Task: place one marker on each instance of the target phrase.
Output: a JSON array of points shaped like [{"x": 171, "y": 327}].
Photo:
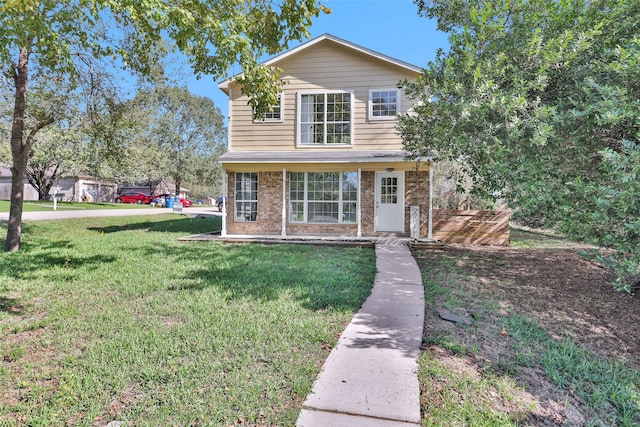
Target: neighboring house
[
  {"x": 327, "y": 159},
  {"x": 84, "y": 189},
  {"x": 30, "y": 193},
  {"x": 67, "y": 188}
]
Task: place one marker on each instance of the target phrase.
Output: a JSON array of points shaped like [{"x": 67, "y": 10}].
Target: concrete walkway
[{"x": 370, "y": 377}]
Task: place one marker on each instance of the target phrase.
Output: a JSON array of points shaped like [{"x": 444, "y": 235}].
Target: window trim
[
  {"x": 263, "y": 119},
  {"x": 236, "y": 218},
  {"x": 299, "y": 95},
  {"x": 370, "y": 104},
  {"x": 341, "y": 201}
]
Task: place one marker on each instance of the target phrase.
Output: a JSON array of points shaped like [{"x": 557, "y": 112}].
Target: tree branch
[{"x": 41, "y": 124}]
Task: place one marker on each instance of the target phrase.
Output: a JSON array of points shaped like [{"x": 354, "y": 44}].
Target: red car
[
  {"x": 132, "y": 197},
  {"x": 186, "y": 203}
]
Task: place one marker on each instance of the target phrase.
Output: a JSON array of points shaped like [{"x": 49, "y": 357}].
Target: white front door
[{"x": 389, "y": 215}]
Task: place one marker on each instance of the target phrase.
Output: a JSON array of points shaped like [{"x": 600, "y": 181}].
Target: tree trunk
[
  {"x": 178, "y": 182},
  {"x": 43, "y": 192},
  {"x": 14, "y": 227},
  {"x": 20, "y": 148},
  {"x": 37, "y": 177},
  {"x": 153, "y": 186},
  {"x": 18, "y": 153}
]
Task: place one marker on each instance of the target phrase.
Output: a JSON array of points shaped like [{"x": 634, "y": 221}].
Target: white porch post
[
  {"x": 223, "y": 232},
  {"x": 283, "y": 233},
  {"x": 359, "y": 212},
  {"x": 430, "y": 235}
]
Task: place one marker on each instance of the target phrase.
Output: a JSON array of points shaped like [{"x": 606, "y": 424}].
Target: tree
[
  {"x": 184, "y": 136},
  {"x": 539, "y": 100},
  {"x": 56, "y": 148},
  {"x": 451, "y": 188},
  {"x": 113, "y": 126},
  {"x": 56, "y": 152},
  {"x": 69, "y": 36}
]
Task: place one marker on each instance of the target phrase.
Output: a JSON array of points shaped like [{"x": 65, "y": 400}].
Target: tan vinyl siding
[{"x": 326, "y": 67}]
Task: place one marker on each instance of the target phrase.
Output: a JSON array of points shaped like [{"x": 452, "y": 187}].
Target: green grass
[
  {"x": 455, "y": 398},
  {"x": 601, "y": 384},
  {"x": 43, "y": 205},
  {"x": 113, "y": 319},
  {"x": 535, "y": 239},
  {"x": 462, "y": 386}
]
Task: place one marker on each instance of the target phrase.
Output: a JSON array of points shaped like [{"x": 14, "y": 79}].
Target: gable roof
[{"x": 328, "y": 38}]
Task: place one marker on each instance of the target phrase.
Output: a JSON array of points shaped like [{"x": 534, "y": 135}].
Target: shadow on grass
[
  {"x": 320, "y": 277},
  {"x": 183, "y": 224},
  {"x": 3, "y": 234},
  {"x": 32, "y": 263},
  {"x": 69, "y": 262},
  {"x": 10, "y": 305},
  {"x": 41, "y": 254}
]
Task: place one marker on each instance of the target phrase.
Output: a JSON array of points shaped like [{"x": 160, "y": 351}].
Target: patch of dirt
[{"x": 569, "y": 296}]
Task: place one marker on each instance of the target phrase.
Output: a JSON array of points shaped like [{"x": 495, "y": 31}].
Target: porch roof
[
  {"x": 324, "y": 156},
  {"x": 321, "y": 161}
]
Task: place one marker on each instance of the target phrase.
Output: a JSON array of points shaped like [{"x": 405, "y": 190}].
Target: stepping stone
[{"x": 454, "y": 317}]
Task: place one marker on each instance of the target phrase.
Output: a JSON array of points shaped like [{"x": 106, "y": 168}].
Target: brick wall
[
  {"x": 333, "y": 229},
  {"x": 269, "y": 220},
  {"x": 417, "y": 194},
  {"x": 368, "y": 202}
]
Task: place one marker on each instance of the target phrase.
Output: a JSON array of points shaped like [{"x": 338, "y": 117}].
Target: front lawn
[
  {"x": 107, "y": 319},
  {"x": 45, "y": 205},
  {"x": 550, "y": 343}
]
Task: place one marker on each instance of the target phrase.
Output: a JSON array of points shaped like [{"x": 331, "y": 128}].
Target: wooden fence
[{"x": 472, "y": 227}]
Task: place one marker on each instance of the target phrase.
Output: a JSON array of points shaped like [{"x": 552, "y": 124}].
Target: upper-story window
[
  {"x": 384, "y": 104},
  {"x": 275, "y": 113},
  {"x": 325, "y": 118}
]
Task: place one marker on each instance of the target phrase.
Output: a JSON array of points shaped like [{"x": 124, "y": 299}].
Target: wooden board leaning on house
[{"x": 471, "y": 227}]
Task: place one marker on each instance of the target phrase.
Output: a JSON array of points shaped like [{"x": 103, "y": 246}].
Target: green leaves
[
  {"x": 180, "y": 138},
  {"x": 537, "y": 98},
  {"x": 214, "y": 35},
  {"x": 616, "y": 217},
  {"x": 70, "y": 38}
]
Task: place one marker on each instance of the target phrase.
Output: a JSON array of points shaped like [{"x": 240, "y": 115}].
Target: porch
[
  {"x": 319, "y": 199},
  {"x": 392, "y": 239}
]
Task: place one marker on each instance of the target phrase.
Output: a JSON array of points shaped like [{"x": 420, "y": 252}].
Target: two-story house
[{"x": 327, "y": 160}]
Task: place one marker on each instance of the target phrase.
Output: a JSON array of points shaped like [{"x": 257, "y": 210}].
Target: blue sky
[{"x": 391, "y": 27}]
